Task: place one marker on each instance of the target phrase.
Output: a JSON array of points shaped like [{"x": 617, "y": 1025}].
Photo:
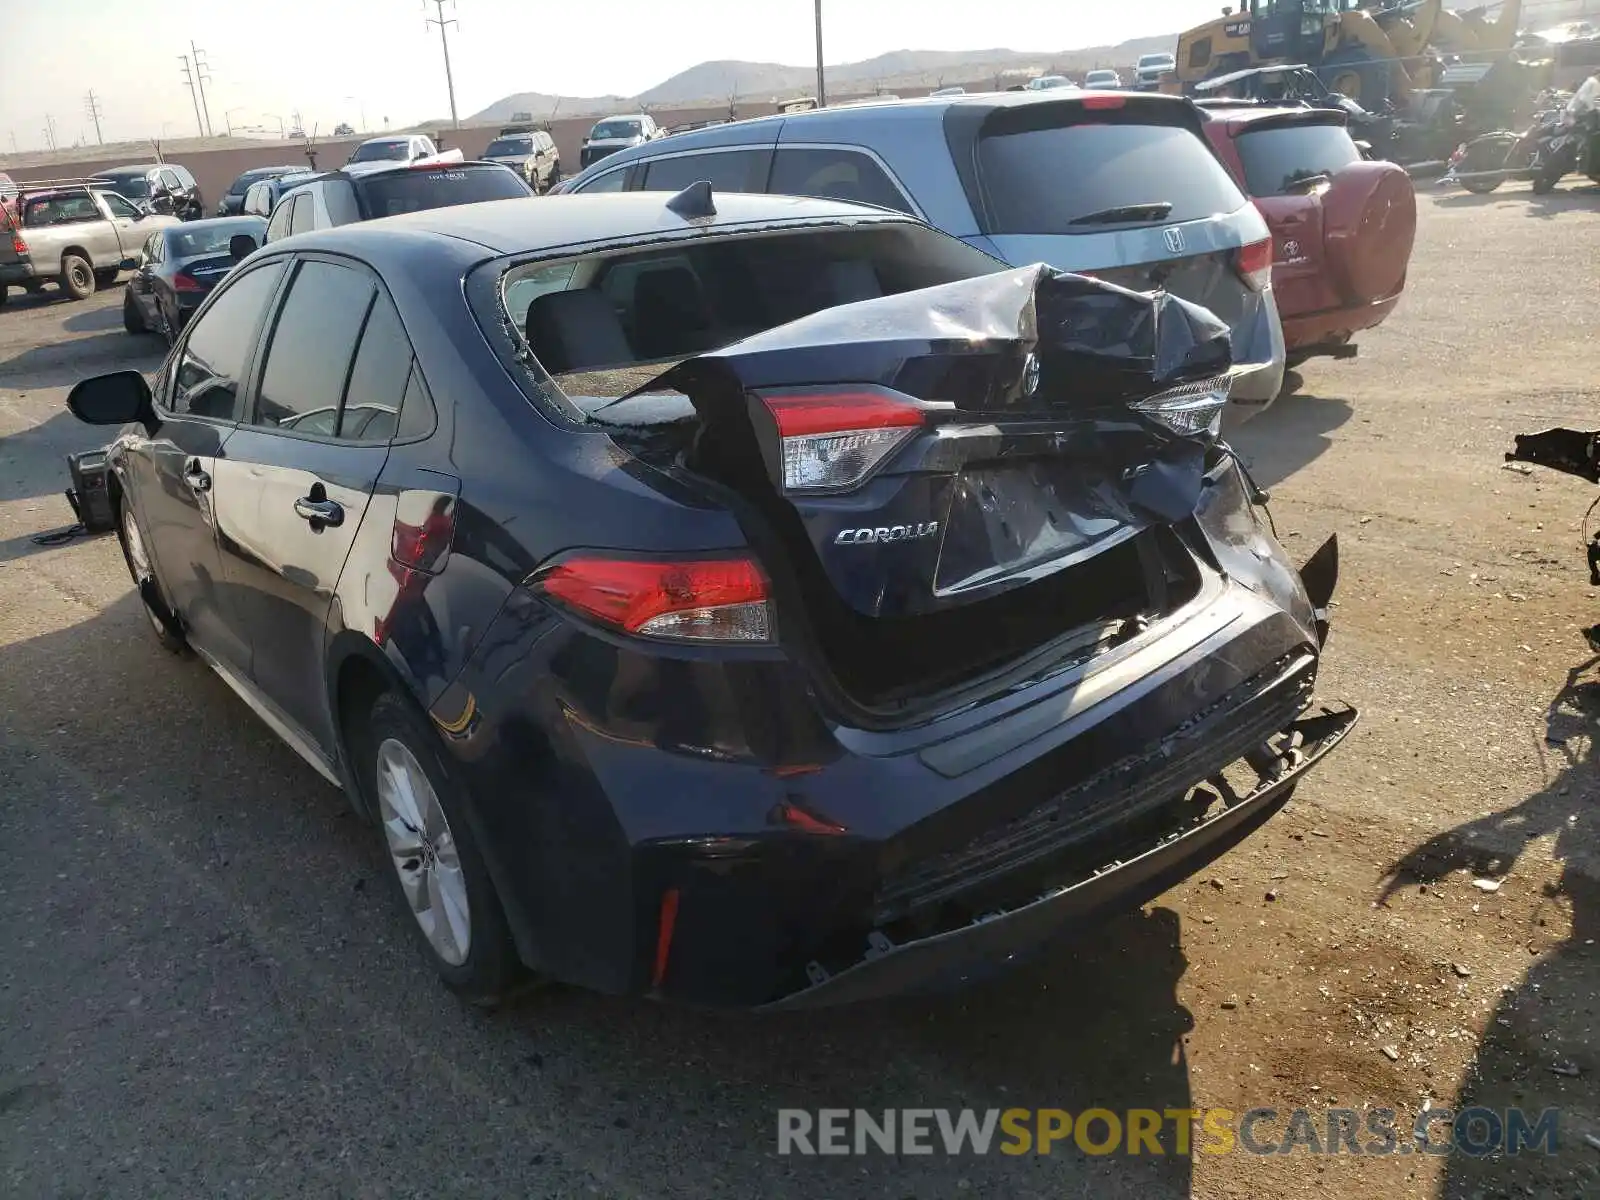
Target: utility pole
[
  {"x": 194, "y": 96},
  {"x": 50, "y": 130},
  {"x": 822, "y": 86},
  {"x": 95, "y": 113},
  {"x": 444, "y": 42},
  {"x": 202, "y": 76}
]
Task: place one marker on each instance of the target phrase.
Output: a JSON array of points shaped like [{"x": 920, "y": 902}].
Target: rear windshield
[
  {"x": 1044, "y": 181},
  {"x": 615, "y": 129},
  {"x": 382, "y": 152},
  {"x": 189, "y": 241},
  {"x": 510, "y": 145},
  {"x": 592, "y": 321},
  {"x": 134, "y": 187},
  {"x": 394, "y": 192},
  {"x": 1277, "y": 159},
  {"x": 59, "y": 210}
]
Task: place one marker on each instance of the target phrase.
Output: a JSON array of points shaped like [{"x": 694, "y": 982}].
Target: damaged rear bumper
[{"x": 996, "y": 939}]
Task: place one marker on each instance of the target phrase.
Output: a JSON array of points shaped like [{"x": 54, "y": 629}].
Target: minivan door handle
[
  {"x": 196, "y": 477},
  {"x": 319, "y": 511}
]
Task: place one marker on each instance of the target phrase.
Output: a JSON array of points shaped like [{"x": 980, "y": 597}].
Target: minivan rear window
[
  {"x": 393, "y": 192},
  {"x": 1276, "y": 159},
  {"x": 1040, "y": 181}
]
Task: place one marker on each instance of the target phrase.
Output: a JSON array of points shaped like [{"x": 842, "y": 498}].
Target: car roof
[
  {"x": 526, "y": 224},
  {"x": 1222, "y": 81},
  {"x": 130, "y": 169},
  {"x": 1244, "y": 112}
]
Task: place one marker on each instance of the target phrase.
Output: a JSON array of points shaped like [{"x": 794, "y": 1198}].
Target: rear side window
[
  {"x": 303, "y": 216},
  {"x": 213, "y": 358},
  {"x": 378, "y": 379},
  {"x": 727, "y": 171},
  {"x": 395, "y": 192},
  {"x": 1045, "y": 181},
  {"x": 309, "y": 357},
  {"x": 278, "y": 226},
  {"x": 611, "y": 181},
  {"x": 1275, "y": 160},
  {"x": 835, "y": 175}
]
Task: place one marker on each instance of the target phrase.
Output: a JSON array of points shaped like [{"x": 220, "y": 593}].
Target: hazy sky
[{"x": 276, "y": 56}]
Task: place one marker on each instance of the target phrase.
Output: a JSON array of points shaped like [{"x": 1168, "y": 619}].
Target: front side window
[
  {"x": 611, "y": 181},
  {"x": 312, "y": 344},
  {"x": 835, "y": 175},
  {"x": 304, "y": 215},
  {"x": 206, "y": 382},
  {"x": 118, "y": 206}
]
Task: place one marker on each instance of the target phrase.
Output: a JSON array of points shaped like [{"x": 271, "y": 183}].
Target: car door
[
  {"x": 294, "y": 492},
  {"x": 141, "y": 287},
  {"x": 130, "y": 233},
  {"x": 175, "y": 478}
]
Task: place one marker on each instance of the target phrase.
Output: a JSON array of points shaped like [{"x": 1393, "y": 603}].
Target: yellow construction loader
[{"x": 1374, "y": 51}]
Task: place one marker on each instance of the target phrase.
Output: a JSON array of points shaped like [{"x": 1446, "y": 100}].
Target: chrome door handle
[{"x": 319, "y": 512}]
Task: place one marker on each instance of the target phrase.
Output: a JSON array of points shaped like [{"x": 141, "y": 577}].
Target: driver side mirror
[
  {"x": 241, "y": 246},
  {"x": 116, "y": 399}
]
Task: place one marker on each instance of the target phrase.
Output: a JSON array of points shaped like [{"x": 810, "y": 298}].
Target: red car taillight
[
  {"x": 183, "y": 282},
  {"x": 698, "y": 600},
  {"x": 18, "y": 246},
  {"x": 1254, "y": 264},
  {"x": 834, "y": 439}
]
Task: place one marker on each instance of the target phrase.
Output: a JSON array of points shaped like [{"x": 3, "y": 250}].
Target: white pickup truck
[
  {"x": 381, "y": 153},
  {"x": 74, "y": 236}
]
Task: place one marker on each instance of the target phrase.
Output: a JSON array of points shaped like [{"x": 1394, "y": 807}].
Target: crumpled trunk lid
[{"x": 1019, "y": 457}]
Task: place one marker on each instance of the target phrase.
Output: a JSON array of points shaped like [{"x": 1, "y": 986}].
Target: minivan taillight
[
  {"x": 834, "y": 438},
  {"x": 687, "y": 600},
  {"x": 1254, "y": 264}
]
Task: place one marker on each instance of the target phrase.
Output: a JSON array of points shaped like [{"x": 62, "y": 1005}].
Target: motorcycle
[{"x": 1563, "y": 138}]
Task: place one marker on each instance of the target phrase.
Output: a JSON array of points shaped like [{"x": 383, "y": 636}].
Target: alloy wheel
[{"x": 423, "y": 851}]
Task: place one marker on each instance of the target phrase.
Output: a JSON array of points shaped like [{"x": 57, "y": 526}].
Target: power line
[
  {"x": 202, "y": 76},
  {"x": 194, "y": 95},
  {"x": 92, "y": 105},
  {"x": 444, "y": 41}
]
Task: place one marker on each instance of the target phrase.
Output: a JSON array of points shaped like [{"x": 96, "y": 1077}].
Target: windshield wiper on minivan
[{"x": 1126, "y": 214}]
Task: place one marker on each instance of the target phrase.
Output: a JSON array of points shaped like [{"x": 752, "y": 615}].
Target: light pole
[
  {"x": 444, "y": 41},
  {"x": 227, "y": 117},
  {"x": 362, "y": 105},
  {"x": 822, "y": 86}
]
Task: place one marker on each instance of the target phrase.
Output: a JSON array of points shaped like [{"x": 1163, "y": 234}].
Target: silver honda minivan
[{"x": 1120, "y": 185}]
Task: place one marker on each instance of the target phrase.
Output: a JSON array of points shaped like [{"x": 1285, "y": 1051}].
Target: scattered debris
[
  {"x": 1519, "y": 468},
  {"x": 1464, "y": 971},
  {"x": 1272, "y": 895},
  {"x": 1230, "y": 1004},
  {"x": 1486, "y": 885},
  {"x": 1569, "y": 1069},
  {"x": 1592, "y": 1140},
  {"x": 1391, "y": 1053}
]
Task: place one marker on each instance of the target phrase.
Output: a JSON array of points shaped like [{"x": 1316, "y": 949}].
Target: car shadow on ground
[
  {"x": 1291, "y": 434},
  {"x": 1541, "y": 1049},
  {"x": 1566, "y": 198},
  {"x": 62, "y": 364},
  {"x": 1094, "y": 1023},
  {"x": 95, "y": 320}
]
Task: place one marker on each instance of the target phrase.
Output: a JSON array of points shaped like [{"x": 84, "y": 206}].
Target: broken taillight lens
[
  {"x": 693, "y": 600},
  {"x": 832, "y": 440},
  {"x": 1254, "y": 264},
  {"x": 1190, "y": 409}
]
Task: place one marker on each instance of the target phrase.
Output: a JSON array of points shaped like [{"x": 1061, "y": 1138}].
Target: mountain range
[{"x": 725, "y": 80}]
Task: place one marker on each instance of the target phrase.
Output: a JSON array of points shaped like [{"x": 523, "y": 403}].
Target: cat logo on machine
[
  {"x": 886, "y": 533},
  {"x": 1236, "y": 29}
]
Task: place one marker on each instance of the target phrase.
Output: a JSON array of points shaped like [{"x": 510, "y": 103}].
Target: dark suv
[
  {"x": 1121, "y": 185},
  {"x": 163, "y": 187},
  {"x": 338, "y": 198}
]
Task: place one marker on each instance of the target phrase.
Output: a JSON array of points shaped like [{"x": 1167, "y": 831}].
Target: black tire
[
  {"x": 1545, "y": 181},
  {"x": 490, "y": 969},
  {"x": 105, "y": 277},
  {"x": 77, "y": 276},
  {"x": 1371, "y": 76},
  {"x": 132, "y": 318},
  {"x": 152, "y": 597},
  {"x": 1481, "y": 187}
]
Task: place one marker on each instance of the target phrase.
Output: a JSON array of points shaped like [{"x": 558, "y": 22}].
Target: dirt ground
[{"x": 204, "y": 989}]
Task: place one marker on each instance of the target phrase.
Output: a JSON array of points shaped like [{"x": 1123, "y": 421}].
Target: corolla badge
[
  {"x": 886, "y": 533},
  {"x": 1174, "y": 238}
]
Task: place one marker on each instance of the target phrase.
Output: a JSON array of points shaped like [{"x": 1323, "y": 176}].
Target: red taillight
[
  {"x": 1105, "y": 102},
  {"x": 715, "y": 599},
  {"x": 666, "y": 925},
  {"x": 833, "y": 439},
  {"x": 184, "y": 282},
  {"x": 18, "y": 246},
  {"x": 1254, "y": 264}
]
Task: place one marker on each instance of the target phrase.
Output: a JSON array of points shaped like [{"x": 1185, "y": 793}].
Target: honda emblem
[{"x": 1174, "y": 237}]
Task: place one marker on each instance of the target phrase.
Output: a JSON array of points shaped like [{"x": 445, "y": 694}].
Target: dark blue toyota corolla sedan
[{"x": 736, "y": 599}]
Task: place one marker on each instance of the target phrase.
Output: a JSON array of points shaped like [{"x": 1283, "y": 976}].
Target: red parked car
[{"x": 1342, "y": 226}]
